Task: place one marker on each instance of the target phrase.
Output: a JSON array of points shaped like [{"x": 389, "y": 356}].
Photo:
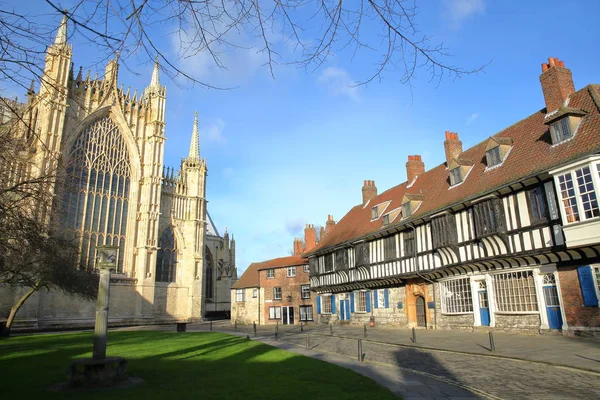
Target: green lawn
[{"x": 180, "y": 366}]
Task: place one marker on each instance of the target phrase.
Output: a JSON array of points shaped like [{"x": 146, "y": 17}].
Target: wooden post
[
  {"x": 414, "y": 335},
  {"x": 277, "y": 330},
  {"x": 307, "y": 341},
  {"x": 211, "y": 325},
  {"x": 365, "y": 330},
  {"x": 331, "y": 328},
  {"x": 492, "y": 344},
  {"x": 360, "y": 358},
  {"x": 301, "y": 327},
  {"x": 235, "y": 325},
  {"x": 254, "y": 323}
]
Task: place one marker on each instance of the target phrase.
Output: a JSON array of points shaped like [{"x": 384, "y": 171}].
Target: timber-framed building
[{"x": 505, "y": 234}]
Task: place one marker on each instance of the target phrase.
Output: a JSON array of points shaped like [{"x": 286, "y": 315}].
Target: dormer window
[
  {"x": 497, "y": 150},
  {"x": 374, "y": 213},
  {"x": 410, "y": 203},
  {"x": 386, "y": 219},
  {"x": 493, "y": 156},
  {"x": 406, "y": 211},
  {"x": 560, "y": 130},
  {"x": 459, "y": 169},
  {"x": 564, "y": 123},
  {"x": 456, "y": 176}
]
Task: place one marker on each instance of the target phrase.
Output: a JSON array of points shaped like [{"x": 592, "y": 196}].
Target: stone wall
[
  {"x": 54, "y": 309},
  {"x": 524, "y": 323},
  {"x": 245, "y": 312}
]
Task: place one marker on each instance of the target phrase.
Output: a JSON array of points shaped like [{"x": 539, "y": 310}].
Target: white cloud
[
  {"x": 458, "y": 11},
  {"x": 470, "y": 119},
  {"x": 339, "y": 83},
  {"x": 213, "y": 132}
]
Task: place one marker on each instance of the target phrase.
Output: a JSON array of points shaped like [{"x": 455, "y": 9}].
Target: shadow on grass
[{"x": 189, "y": 365}]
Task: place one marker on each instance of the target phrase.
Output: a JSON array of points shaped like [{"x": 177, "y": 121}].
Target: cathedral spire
[
  {"x": 155, "y": 82},
  {"x": 61, "y": 34},
  {"x": 195, "y": 143}
]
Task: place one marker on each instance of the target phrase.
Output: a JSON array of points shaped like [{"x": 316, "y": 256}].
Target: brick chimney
[
  {"x": 298, "y": 246},
  {"x": 453, "y": 146},
  {"x": 557, "y": 83},
  {"x": 369, "y": 190},
  {"x": 414, "y": 168},
  {"x": 329, "y": 224},
  {"x": 310, "y": 237}
]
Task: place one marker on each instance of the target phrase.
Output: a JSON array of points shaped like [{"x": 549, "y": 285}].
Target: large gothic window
[
  {"x": 166, "y": 258},
  {"x": 97, "y": 191},
  {"x": 208, "y": 275}
]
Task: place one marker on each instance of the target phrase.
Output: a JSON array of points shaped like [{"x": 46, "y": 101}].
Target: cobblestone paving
[{"x": 503, "y": 378}]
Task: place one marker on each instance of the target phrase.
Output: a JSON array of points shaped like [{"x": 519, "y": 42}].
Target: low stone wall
[{"x": 527, "y": 323}]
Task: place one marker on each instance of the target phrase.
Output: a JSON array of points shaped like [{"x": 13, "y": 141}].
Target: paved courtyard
[{"x": 448, "y": 364}]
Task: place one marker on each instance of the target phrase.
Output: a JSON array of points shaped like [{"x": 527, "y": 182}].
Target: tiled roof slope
[
  {"x": 531, "y": 154},
  {"x": 250, "y": 277}
]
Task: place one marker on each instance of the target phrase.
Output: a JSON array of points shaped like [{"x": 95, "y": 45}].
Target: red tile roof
[
  {"x": 250, "y": 276},
  {"x": 532, "y": 153}
]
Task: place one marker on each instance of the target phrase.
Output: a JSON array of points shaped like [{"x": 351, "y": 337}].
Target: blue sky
[{"x": 288, "y": 151}]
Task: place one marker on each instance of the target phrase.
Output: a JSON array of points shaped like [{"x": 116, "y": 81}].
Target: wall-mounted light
[{"x": 289, "y": 298}]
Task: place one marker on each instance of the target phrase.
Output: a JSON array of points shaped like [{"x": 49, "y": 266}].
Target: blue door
[
  {"x": 484, "y": 308},
  {"x": 552, "y": 307}
]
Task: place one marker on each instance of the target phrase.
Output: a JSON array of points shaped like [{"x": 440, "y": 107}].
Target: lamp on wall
[{"x": 289, "y": 298}]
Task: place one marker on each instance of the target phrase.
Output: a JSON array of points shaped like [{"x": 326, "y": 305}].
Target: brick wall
[
  {"x": 290, "y": 286},
  {"x": 584, "y": 321}
]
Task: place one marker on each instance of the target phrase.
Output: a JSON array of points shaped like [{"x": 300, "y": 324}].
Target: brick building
[
  {"x": 505, "y": 234},
  {"x": 278, "y": 290}
]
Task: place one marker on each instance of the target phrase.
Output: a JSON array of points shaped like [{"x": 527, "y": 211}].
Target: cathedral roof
[{"x": 211, "y": 229}]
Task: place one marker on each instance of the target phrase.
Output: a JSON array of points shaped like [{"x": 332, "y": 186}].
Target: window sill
[
  {"x": 517, "y": 312},
  {"x": 458, "y": 313}
]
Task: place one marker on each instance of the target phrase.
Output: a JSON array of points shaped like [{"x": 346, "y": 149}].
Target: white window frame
[
  {"x": 557, "y": 130},
  {"x": 596, "y": 276},
  {"x": 509, "y": 297},
  {"x": 254, "y": 293},
  {"x": 380, "y": 298},
  {"x": 240, "y": 295},
  {"x": 276, "y": 292},
  {"x": 275, "y": 313},
  {"x": 306, "y": 268},
  {"x": 291, "y": 272},
  {"x": 457, "y": 296},
  {"x": 302, "y": 290},
  {"x": 270, "y": 273},
  {"x": 305, "y": 308},
  {"x": 360, "y": 298},
  {"x": 593, "y": 163},
  {"x": 326, "y": 304}
]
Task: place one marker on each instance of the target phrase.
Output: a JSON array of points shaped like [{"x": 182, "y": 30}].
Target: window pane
[{"x": 567, "y": 193}]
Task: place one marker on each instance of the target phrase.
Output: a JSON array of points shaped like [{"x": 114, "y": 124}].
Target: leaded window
[
  {"x": 96, "y": 191},
  {"x": 341, "y": 259},
  {"x": 208, "y": 274},
  {"x": 537, "y": 204},
  {"x": 560, "y": 130},
  {"x": 326, "y": 303},
  {"x": 493, "y": 156},
  {"x": 456, "y": 296},
  {"x": 389, "y": 248},
  {"x": 328, "y": 262},
  {"x": 515, "y": 292},
  {"x": 443, "y": 231},
  {"x": 361, "y": 301},
  {"x": 456, "y": 176},
  {"x": 166, "y": 257},
  {"x": 313, "y": 266},
  {"x": 409, "y": 243},
  {"x": 489, "y": 217},
  {"x": 240, "y": 295},
  {"x": 362, "y": 254}
]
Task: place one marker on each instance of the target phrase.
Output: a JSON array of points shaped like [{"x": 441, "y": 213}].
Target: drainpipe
[{"x": 416, "y": 262}]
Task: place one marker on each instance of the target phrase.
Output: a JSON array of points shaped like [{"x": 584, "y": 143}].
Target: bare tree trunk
[{"x": 17, "y": 306}]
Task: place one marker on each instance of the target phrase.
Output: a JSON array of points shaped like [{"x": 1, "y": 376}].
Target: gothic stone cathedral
[{"x": 172, "y": 264}]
